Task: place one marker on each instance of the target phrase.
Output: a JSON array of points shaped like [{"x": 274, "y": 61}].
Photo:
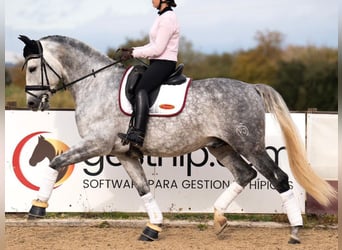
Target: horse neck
[
  {"x": 51, "y": 153},
  {"x": 77, "y": 64},
  {"x": 83, "y": 65},
  {"x": 78, "y": 60}
]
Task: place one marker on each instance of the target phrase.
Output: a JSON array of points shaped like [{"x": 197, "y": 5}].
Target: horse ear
[
  {"x": 41, "y": 137},
  {"x": 25, "y": 39},
  {"x": 31, "y": 46}
]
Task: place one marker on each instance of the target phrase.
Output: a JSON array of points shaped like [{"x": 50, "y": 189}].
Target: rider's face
[{"x": 156, "y": 3}]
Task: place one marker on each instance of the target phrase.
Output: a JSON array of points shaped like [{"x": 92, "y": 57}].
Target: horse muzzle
[{"x": 36, "y": 103}]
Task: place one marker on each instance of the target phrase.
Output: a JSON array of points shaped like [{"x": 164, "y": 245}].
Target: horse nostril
[{"x": 30, "y": 104}]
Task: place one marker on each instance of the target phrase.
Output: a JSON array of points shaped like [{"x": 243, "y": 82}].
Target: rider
[{"x": 162, "y": 52}]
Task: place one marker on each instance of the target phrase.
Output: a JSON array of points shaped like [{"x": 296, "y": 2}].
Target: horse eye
[{"x": 32, "y": 69}]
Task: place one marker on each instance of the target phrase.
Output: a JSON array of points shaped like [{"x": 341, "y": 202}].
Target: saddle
[
  {"x": 167, "y": 100},
  {"x": 134, "y": 76}
]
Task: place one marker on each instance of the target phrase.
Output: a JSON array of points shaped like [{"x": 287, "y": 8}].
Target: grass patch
[
  {"x": 202, "y": 227},
  {"x": 16, "y": 97},
  {"x": 103, "y": 224},
  {"x": 102, "y": 216},
  {"x": 197, "y": 217},
  {"x": 310, "y": 220}
]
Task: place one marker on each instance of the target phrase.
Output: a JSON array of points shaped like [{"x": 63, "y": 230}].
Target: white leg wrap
[
  {"x": 292, "y": 209},
  {"x": 152, "y": 209},
  {"x": 227, "y": 197},
  {"x": 48, "y": 180}
]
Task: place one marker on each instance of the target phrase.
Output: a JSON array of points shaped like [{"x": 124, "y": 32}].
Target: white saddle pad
[{"x": 170, "y": 101}]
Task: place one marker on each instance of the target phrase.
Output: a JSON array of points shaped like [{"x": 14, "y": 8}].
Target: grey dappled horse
[{"x": 226, "y": 116}]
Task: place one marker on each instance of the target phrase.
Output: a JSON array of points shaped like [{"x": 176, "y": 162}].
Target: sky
[{"x": 212, "y": 26}]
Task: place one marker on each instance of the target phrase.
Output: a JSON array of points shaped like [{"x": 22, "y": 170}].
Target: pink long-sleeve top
[{"x": 164, "y": 39}]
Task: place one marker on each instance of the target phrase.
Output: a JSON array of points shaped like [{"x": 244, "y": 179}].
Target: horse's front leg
[
  {"x": 135, "y": 171},
  {"x": 84, "y": 150}
]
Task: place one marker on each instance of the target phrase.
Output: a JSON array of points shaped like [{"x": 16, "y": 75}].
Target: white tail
[{"x": 304, "y": 174}]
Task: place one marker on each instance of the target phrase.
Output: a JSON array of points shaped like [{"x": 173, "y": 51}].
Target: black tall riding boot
[{"x": 136, "y": 134}]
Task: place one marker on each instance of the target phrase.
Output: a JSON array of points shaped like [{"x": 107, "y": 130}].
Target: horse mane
[{"x": 75, "y": 44}]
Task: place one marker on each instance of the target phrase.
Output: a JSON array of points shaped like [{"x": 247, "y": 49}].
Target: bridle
[
  {"x": 44, "y": 76},
  {"x": 43, "y": 73}
]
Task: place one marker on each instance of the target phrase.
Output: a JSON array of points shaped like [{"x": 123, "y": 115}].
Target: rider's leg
[
  {"x": 136, "y": 134},
  {"x": 153, "y": 77}
]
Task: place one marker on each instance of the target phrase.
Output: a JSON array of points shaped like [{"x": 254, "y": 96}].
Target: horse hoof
[
  {"x": 220, "y": 223},
  {"x": 144, "y": 238},
  {"x": 150, "y": 233},
  {"x": 294, "y": 240},
  {"x": 36, "y": 212},
  {"x": 38, "y": 209},
  {"x": 220, "y": 228}
]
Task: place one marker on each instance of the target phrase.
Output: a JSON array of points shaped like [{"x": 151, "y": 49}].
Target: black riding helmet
[{"x": 171, "y": 3}]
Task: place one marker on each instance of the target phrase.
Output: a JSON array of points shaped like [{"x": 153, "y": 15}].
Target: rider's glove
[{"x": 124, "y": 54}]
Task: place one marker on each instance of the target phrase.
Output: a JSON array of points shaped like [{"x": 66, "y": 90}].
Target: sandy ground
[{"x": 21, "y": 236}]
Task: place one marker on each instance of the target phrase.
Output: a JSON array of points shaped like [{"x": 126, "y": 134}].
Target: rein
[
  {"x": 93, "y": 73},
  {"x": 44, "y": 64}
]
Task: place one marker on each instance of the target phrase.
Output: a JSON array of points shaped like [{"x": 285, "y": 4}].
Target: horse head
[
  {"x": 42, "y": 150},
  {"x": 43, "y": 73}
]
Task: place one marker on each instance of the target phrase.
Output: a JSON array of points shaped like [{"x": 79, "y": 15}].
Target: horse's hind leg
[
  {"x": 243, "y": 174},
  {"x": 279, "y": 179}
]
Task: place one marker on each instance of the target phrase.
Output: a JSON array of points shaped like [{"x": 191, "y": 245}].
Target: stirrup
[
  {"x": 136, "y": 140},
  {"x": 123, "y": 138},
  {"x": 134, "y": 136}
]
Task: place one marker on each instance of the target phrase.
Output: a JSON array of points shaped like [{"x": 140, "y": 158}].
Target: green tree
[
  {"x": 128, "y": 44},
  {"x": 259, "y": 65},
  {"x": 288, "y": 84},
  {"x": 307, "y": 78},
  {"x": 269, "y": 44},
  {"x": 8, "y": 78},
  {"x": 193, "y": 61}
]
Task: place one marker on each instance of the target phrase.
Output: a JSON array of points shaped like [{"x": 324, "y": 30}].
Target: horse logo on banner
[{"x": 46, "y": 148}]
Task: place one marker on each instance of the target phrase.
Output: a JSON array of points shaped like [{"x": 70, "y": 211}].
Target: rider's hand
[{"x": 124, "y": 54}]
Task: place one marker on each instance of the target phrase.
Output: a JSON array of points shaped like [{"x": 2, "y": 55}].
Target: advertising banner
[
  {"x": 322, "y": 144},
  {"x": 187, "y": 183}
]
